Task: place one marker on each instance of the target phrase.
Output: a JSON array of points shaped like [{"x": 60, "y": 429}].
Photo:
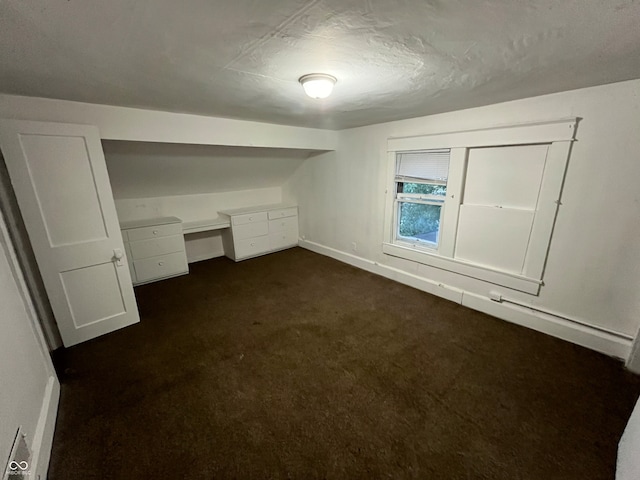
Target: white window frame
[
  {"x": 558, "y": 134},
  {"x": 418, "y": 198}
]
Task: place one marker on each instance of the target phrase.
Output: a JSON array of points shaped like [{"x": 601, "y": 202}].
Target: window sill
[{"x": 497, "y": 277}]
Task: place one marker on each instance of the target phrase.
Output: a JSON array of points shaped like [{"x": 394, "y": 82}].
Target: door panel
[
  {"x": 85, "y": 221},
  {"x": 93, "y": 293},
  {"x": 60, "y": 179}
]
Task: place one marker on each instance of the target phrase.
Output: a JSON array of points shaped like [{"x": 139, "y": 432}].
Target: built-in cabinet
[
  {"x": 259, "y": 230},
  {"x": 155, "y": 249}
]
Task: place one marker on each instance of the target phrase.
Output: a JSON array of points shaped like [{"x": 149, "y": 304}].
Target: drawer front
[
  {"x": 283, "y": 212},
  {"x": 249, "y": 218},
  {"x": 281, "y": 224},
  {"x": 144, "y": 233},
  {"x": 250, "y": 230},
  {"x": 156, "y": 246},
  {"x": 287, "y": 238},
  {"x": 252, "y": 246},
  {"x": 160, "y": 267}
]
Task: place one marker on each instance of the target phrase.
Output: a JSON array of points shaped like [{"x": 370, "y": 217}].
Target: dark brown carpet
[{"x": 296, "y": 366}]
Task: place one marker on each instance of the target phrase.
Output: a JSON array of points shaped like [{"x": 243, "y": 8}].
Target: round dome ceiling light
[{"x": 317, "y": 85}]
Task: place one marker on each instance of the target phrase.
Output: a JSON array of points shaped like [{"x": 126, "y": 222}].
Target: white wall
[
  {"x": 29, "y": 390},
  {"x": 143, "y": 169},
  {"x": 20, "y": 239},
  {"x": 592, "y": 273}
]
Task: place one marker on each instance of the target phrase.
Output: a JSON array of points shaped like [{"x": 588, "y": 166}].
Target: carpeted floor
[{"x": 293, "y": 365}]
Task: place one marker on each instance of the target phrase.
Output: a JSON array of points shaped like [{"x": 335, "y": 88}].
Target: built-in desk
[
  {"x": 156, "y": 248},
  {"x": 217, "y": 223}
]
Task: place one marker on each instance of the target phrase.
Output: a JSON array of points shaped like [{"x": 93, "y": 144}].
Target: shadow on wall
[
  {"x": 27, "y": 259},
  {"x": 145, "y": 169}
]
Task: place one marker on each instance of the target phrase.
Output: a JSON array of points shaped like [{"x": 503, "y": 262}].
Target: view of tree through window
[
  {"x": 420, "y": 220},
  {"x": 422, "y": 188}
]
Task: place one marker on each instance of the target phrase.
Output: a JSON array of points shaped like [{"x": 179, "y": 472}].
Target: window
[
  {"x": 479, "y": 203},
  {"x": 421, "y": 187}
]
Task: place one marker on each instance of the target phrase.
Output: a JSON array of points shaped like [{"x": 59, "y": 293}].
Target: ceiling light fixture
[{"x": 317, "y": 85}]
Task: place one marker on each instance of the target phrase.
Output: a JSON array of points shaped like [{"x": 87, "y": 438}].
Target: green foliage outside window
[
  {"x": 418, "y": 220},
  {"x": 423, "y": 188}
]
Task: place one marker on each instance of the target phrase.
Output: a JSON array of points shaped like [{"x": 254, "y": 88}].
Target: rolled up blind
[{"x": 423, "y": 165}]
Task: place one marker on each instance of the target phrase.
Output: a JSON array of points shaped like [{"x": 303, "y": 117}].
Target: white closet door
[{"x": 60, "y": 179}]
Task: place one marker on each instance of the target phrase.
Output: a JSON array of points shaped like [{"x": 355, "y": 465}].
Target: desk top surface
[
  {"x": 148, "y": 222},
  {"x": 257, "y": 208}
]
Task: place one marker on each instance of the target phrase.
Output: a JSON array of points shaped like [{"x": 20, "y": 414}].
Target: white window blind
[{"x": 423, "y": 165}]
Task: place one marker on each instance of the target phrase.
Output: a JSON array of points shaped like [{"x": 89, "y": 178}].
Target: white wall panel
[
  {"x": 505, "y": 176},
  {"x": 493, "y": 237}
]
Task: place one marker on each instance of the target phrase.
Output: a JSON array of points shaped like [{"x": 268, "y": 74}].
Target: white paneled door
[{"x": 60, "y": 179}]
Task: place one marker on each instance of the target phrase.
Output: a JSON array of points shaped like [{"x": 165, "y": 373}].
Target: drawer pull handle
[
  {"x": 155, "y": 232},
  {"x": 250, "y": 219},
  {"x": 161, "y": 264},
  {"x": 253, "y": 244}
]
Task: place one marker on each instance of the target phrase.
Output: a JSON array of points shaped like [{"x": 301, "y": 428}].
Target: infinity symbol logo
[{"x": 18, "y": 465}]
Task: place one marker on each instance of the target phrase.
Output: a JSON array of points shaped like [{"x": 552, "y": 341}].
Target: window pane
[
  {"x": 422, "y": 188},
  {"x": 419, "y": 221}
]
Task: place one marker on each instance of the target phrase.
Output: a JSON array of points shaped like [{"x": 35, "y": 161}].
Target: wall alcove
[{"x": 193, "y": 182}]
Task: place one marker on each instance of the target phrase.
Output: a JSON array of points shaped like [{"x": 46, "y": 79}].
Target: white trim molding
[
  {"x": 555, "y": 325},
  {"x": 511, "y": 280},
  {"x": 43, "y": 438},
  {"x": 633, "y": 362},
  {"x": 562, "y": 130},
  {"x": 440, "y": 289}
]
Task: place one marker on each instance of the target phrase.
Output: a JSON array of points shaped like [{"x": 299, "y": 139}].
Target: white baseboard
[
  {"x": 633, "y": 361},
  {"x": 559, "y": 327},
  {"x": 415, "y": 281},
  {"x": 43, "y": 436}
]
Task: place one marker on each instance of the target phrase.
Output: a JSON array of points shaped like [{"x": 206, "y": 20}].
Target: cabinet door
[{"x": 60, "y": 179}]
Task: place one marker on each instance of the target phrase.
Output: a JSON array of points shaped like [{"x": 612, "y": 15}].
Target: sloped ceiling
[
  {"x": 140, "y": 169},
  {"x": 242, "y": 58}
]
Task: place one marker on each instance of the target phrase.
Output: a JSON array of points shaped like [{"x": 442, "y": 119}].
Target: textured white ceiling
[{"x": 242, "y": 58}]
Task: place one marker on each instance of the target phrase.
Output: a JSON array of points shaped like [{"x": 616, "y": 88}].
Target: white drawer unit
[
  {"x": 249, "y": 218},
  {"x": 259, "y": 230},
  {"x": 251, "y": 247},
  {"x": 155, "y": 249},
  {"x": 250, "y": 230},
  {"x": 155, "y": 231},
  {"x": 163, "y": 266},
  {"x": 282, "y": 224}
]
